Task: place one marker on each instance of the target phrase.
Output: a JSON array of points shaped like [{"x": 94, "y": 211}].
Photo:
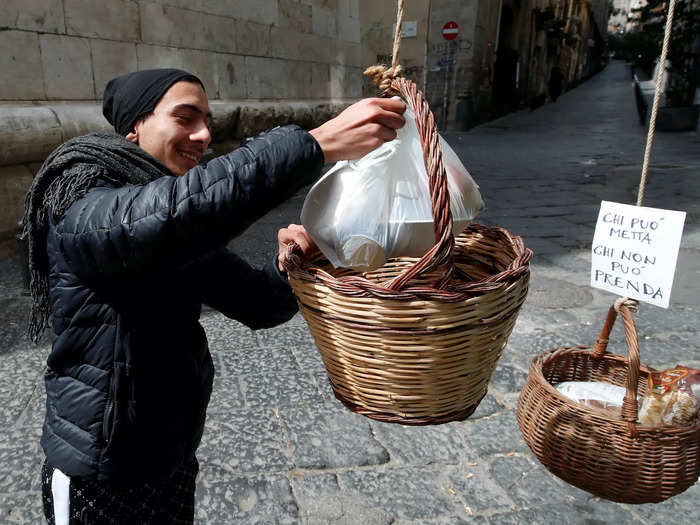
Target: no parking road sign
[{"x": 450, "y": 31}]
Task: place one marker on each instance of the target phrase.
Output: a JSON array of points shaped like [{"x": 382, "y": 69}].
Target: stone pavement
[{"x": 279, "y": 448}]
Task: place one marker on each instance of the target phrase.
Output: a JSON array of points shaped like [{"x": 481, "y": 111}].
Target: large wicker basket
[
  {"x": 608, "y": 455},
  {"x": 417, "y": 340}
]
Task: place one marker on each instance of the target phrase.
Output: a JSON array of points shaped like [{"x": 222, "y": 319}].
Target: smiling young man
[
  {"x": 127, "y": 236},
  {"x": 177, "y": 131}
]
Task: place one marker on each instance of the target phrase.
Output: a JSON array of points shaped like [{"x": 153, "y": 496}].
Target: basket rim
[
  {"x": 356, "y": 285},
  {"x": 537, "y": 375}
]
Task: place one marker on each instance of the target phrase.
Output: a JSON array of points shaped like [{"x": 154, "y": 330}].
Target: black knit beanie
[{"x": 130, "y": 97}]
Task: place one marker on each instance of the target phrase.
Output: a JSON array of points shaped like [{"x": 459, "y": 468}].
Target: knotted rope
[
  {"x": 382, "y": 75},
  {"x": 630, "y": 304}
]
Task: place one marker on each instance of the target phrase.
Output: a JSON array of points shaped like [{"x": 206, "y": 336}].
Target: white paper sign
[
  {"x": 635, "y": 250},
  {"x": 408, "y": 29}
]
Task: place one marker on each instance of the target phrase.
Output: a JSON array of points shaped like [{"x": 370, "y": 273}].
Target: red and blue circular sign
[{"x": 450, "y": 31}]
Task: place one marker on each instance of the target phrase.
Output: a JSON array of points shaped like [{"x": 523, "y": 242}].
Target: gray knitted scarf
[{"x": 65, "y": 177}]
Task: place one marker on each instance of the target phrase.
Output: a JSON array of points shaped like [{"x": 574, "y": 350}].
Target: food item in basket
[
  {"x": 674, "y": 397},
  {"x": 596, "y": 394}
]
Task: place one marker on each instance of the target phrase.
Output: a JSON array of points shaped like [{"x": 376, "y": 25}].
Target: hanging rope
[
  {"x": 655, "y": 107},
  {"x": 397, "y": 36}
]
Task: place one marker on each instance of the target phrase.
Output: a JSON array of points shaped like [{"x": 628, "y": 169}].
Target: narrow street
[{"x": 279, "y": 448}]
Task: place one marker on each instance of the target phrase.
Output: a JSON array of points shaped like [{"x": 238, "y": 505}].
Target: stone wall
[
  {"x": 451, "y": 62},
  {"x": 261, "y": 49},
  {"x": 445, "y": 70},
  {"x": 263, "y": 63},
  {"x": 377, "y": 26}
]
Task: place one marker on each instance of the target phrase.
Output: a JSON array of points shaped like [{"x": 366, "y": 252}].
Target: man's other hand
[
  {"x": 359, "y": 129},
  {"x": 293, "y": 233}
]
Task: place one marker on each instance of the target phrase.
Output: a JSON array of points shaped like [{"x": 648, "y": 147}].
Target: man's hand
[
  {"x": 359, "y": 129},
  {"x": 297, "y": 234}
]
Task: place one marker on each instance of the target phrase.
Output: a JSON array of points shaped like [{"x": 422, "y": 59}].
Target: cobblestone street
[{"x": 279, "y": 448}]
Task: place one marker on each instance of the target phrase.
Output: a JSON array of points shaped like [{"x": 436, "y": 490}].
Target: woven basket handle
[
  {"x": 442, "y": 254},
  {"x": 629, "y": 405}
]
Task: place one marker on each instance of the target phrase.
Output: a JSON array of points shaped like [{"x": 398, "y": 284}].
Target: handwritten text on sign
[{"x": 635, "y": 251}]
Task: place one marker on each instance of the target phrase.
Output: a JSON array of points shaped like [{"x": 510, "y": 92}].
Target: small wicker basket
[
  {"x": 417, "y": 340},
  {"x": 610, "y": 456}
]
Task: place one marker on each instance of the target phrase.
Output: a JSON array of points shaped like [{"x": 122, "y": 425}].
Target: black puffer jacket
[{"x": 130, "y": 374}]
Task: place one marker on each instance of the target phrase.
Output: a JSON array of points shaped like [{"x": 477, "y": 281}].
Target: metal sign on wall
[{"x": 450, "y": 30}]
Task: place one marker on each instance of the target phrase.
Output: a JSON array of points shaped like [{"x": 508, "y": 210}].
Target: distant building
[{"x": 623, "y": 18}]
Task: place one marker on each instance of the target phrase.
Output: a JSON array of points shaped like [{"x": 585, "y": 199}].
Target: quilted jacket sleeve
[
  {"x": 176, "y": 219},
  {"x": 257, "y": 298}
]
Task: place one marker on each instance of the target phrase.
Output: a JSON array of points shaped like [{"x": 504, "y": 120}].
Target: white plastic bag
[
  {"x": 593, "y": 393},
  {"x": 363, "y": 212}
]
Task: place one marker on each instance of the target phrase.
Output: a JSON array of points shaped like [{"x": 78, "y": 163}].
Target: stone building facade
[
  {"x": 501, "y": 58},
  {"x": 270, "y": 62},
  {"x": 537, "y": 37}
]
